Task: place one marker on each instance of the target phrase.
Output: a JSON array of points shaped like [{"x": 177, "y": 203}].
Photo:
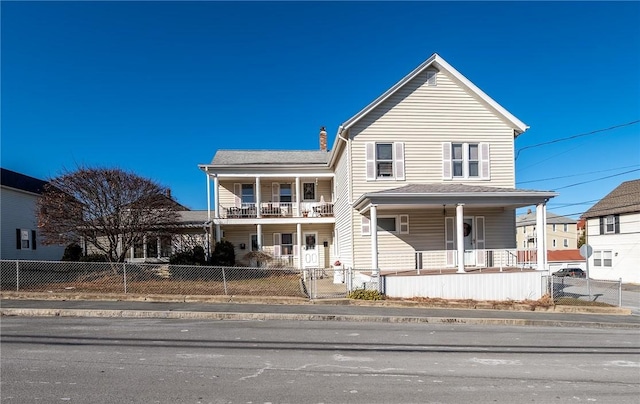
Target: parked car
[{"x": 572, "y": 272}]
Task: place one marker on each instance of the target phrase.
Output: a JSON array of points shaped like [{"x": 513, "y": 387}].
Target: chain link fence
[
  {"x": 564, "y": 288},
  {"x": 101, "y": 277}
]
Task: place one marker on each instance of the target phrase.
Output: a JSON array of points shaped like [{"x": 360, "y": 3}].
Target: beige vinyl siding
[
  {"x": 226, "y": 196},
  {"x": 423, "y": 117},
  {"x": 342, "y": 211},
  {"x": 237, "y": 234},
  {"x": 427, "y": 229}
]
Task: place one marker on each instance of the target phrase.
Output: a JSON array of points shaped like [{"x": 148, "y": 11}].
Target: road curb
[
  {"x": 239, "y": 299},
  {"x": 195, "y": 315}
]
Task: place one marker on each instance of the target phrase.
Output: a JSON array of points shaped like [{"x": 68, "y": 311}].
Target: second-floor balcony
[{"x": 277, "y": 210}]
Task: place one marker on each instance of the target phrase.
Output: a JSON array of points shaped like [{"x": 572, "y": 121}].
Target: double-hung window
[
  {"x": 609, "y": 222},
  {"x": 285, "y": 193},
  {"x": 465, "y": 160},
  {"x": 248, "y": 196},
  {"x": 384, "y": 161}
]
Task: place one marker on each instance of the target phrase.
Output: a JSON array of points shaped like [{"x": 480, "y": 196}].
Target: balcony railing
[{"x": 278, "y": 209}]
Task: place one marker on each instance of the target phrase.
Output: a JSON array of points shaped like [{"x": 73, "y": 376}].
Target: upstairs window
[
  {"x": 248, "y": 196},
  {"x": 25, "y": 239},
  {"x": 384, "y": 161},
  {"x": 285, "y": 193},
  {"x": 610, "y": 224},
  {"x": 465, "y": 160}
]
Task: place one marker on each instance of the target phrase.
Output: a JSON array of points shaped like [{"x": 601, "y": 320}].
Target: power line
[
  {"x": 597, "y": 179},
  {"x": 577, "y": 136},
  {"x": 575, "y": 175}
]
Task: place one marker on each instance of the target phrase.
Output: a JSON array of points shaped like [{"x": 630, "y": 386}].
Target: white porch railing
[{"x": 439, "y": 260}]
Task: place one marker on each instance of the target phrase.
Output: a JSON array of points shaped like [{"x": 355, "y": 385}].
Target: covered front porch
[{"x": 443, "y": 226}]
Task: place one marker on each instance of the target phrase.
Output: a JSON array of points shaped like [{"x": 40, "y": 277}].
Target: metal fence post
[
  {"x": 620, "y": 292},
  {"x": 124, "y": 276},
  {"x": 224, "y": 281},
  {"x": 17, "y": 275}
]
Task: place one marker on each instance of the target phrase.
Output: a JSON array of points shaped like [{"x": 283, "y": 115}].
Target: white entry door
[
  {"x": 469, "y": 242},
  {"x": 309, "y": 250}
]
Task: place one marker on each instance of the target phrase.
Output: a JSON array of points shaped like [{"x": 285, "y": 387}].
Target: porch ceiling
[{"x": 427, "y": 196}]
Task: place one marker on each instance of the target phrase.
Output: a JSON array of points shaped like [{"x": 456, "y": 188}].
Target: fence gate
[{"x": 325, "y": 283}]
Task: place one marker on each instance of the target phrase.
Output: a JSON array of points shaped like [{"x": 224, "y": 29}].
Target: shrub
[
  {"x": 73, "y": 252},
  {"x": 224, "y": 254},
  {"x": 363, "y": 294},
  {"x": 93, "y": 258}
]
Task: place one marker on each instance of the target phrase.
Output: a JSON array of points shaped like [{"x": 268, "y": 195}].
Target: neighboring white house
[
  {"x": 562, "y": 232},
  {"x": 613, "y": 231},
  {"x": 19, "y": 194},
  {"x": 421, "y": 178}
]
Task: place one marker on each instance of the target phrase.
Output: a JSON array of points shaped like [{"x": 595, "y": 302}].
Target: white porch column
[
  {"x": 544, "y": 236},
  {"x": 258, "y": 198},
  {"x": 158, "y": 247},
  {"x": 298, "y": 197},
  {"x": 216, "y": 198},
  {"x": 208, "y": 196},
  {"x": 218, "y": 233},
  {"x": 299, "y": 243},
  {"x": 540, "y": 236},
  {"x": 259, "y": 236},
  {"x": 144, "y": 246},
  {"x": 460, "y": 236},
  {"x": 373, "y": 212}
]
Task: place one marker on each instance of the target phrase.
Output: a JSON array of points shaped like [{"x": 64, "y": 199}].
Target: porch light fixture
[{"x": 242, "y": 246}]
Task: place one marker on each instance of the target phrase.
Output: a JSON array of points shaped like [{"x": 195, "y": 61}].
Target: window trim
[
  {"x": 304, "y": 196},
  {"x": 397, "y": 161},
  {"x": 449, "y": 162}
]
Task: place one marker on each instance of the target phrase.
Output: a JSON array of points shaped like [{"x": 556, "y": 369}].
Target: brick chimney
[{"x": 323, "y": 139}]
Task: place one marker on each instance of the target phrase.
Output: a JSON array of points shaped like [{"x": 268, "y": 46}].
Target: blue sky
[{"x": 158, "y": 87}]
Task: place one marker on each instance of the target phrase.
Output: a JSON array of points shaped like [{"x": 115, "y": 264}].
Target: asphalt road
[{"x": 107, "y": 360}]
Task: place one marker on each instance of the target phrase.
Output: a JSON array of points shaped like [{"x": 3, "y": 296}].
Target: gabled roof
[
  {"x": 530, "y": 219},
  {"x": 269, "y": 157},
  {"x": 22, "y": 182},
  {"x": 624, "y": 199},
  {"x": 435, "y": 61}
]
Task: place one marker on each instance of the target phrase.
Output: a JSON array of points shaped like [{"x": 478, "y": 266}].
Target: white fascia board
[
  {"x": 518, "y": 124},
  {"x": 276, "y": 175},
  {"x": 441, "y": 64}
]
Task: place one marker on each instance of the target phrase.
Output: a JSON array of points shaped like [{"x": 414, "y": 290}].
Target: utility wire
[
  {"x": 575, "y": 175},
  {"x": 597, "y": 179},
  {"x": 577, "y": 136}
]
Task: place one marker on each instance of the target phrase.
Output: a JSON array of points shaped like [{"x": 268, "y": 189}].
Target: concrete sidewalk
[{"x": 260, "y": 308}]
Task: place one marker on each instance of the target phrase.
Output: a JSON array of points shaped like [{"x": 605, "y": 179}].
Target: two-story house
[
  {"x": 421, "y": 178},
  {"x": 562, "y": 232},
  {"x": 612, "y": 231},
  {"x": 21, "y": 238}
]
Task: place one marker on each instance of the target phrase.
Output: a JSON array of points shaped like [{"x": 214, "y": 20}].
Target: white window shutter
[
  {"x": 398, "y": 163},
  {"x": 404, "y": 224},
  {"x": 296, "y": 246},
  {"x": 275, "y": 192},
  {"x": 370, "y": 158},
  {"x": 446, "y": 161},
  {"x": 485, "y": 164},
  {"x": 366, "y": 226},
  {"x": 237, "y": 192},
  {"x": 450, "y": 245},
  {"x": 479, "y": 235},
  {"x": 277, "y": 250}
]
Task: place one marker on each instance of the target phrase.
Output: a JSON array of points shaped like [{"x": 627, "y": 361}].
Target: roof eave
[{"x": 435, "y": 59}]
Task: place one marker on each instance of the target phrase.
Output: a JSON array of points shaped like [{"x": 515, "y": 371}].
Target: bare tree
[{"x": 108, "y": 208}]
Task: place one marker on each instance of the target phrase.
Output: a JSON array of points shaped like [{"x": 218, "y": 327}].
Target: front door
[
  {"x": 469, "y": 242},
  {"x": 309, "y": 250}
]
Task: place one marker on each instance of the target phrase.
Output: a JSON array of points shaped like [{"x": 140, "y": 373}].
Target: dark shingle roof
[
  {"x": 23, "y": 182},
  {"x": 624, "y": 199},
  {"x": 244, "y": 157}
]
